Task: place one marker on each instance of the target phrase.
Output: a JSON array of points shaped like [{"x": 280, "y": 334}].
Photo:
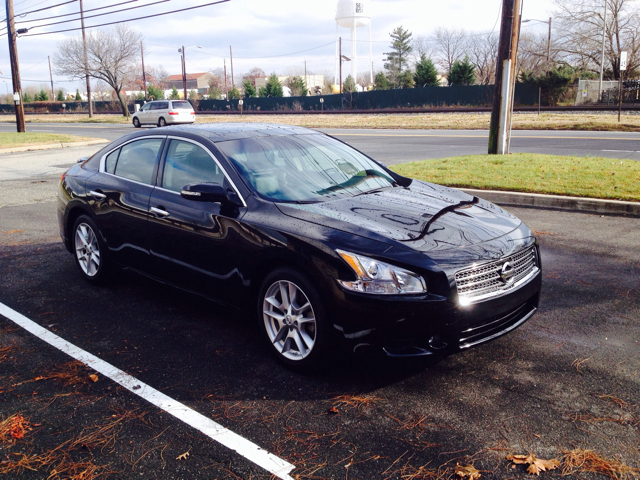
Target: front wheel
[
  {"x": 292, "y": 317},
  {"x": 162, "y": 122},
  {"x": 90, "y": 251},
  {"x": 136, "y": 122}
]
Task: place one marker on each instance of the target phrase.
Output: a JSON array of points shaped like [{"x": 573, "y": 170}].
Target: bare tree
[
  {"x": 102, "y": 91},
  {"x": 532, "y": 53},
  {"x": 252, "y": 74},
  {"x": 483, "y": 52},
  {"x": 158, "y": 76},
  {"x": 364, "y": 79},
  {"x": 112, "y": 58},
  {"x": 579, "y": 33},
  {"x": 449, "y": 45},
  {"x": 422, "y": 46}
]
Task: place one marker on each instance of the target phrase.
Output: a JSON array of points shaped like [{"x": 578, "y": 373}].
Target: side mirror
[{"x": 209, "y": 192}]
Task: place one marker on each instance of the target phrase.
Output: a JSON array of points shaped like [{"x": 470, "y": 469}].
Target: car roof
[{"x": 222, "y": 132}]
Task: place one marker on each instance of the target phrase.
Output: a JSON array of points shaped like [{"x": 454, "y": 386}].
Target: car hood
[{"x": 423, "y": 216}]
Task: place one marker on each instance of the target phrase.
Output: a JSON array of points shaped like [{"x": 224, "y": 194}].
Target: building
[
  {"x": 312, "y": 82},
  {"x": 195, "y": 81}
]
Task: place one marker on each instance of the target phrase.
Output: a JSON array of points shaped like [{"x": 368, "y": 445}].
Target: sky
[{"x": 274, "y": 35}]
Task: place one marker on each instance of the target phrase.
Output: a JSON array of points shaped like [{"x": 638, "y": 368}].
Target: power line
[
  {"x": 76, "y": 13},
  {"x": 22, "y": 14},
  {"x": 127, "y": 20},
  {"x": 97, "y": 15}
]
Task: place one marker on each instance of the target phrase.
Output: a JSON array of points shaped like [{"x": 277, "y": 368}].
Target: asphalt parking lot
[{"x": 565, "y": 381}]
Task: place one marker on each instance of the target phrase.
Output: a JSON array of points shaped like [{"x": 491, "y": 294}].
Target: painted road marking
[{"x": 274, "y": 465}]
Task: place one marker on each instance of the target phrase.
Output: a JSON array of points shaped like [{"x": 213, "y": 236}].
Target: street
[
  {"x": 398, "y": 146},
  {"x": 566, "y": 380}
]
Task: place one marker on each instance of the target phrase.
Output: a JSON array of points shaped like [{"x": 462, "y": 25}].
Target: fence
[
  {"x": 471, "y": 96},
  {"x": 427, "y": 97}
]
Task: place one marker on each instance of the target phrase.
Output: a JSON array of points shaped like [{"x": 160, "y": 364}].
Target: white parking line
[{"x": 213, "y": 430}]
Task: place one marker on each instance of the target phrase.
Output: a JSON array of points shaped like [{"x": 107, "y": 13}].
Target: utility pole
[
  {"x": 144, "y": 75},
  {"x": 226, "y": 91},
  {"x": 549, "y": 42},
  {"x": 604, "y": 33},
  {"x": 497, "y": 140},
  {"x": 15, "y": 71},
  {"x": 231, "y": 58},
  {"x": 53, "y": 94},
  {"x": 184, "y": 74},
  {"x": 515, "y": 40},
  {"x": 86, "y": 62},
  {"x": 306, "y": 82},
  {"x": 340, "y": 39}
]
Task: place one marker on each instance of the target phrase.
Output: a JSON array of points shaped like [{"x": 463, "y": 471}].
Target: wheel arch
[{"x": 73, "y": 214}]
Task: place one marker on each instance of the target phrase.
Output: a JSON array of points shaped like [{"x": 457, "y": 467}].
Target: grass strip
[
  {"x": 533, "y": 173},
  {"x": 30, "y": 139},
  {"x": 605, "y": 122}
]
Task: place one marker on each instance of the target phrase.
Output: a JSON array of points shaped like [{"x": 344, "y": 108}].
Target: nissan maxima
[{"x": 323, "y": 245}]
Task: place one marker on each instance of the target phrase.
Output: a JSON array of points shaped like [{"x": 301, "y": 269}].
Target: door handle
[
  {"x": 159, "y": 212},
  {"x": 97, "y": 195}
]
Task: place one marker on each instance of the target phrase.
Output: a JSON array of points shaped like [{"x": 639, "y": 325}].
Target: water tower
[{"x": 352, "y": 14}]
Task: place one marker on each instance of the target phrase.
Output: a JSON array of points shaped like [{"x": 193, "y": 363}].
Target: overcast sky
[{"x": 275, "y": 35}]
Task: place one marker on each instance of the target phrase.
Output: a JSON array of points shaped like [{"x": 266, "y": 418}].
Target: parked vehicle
[
  {"x": 323, "y": 244},
  {"x": 164, "y": 112}
]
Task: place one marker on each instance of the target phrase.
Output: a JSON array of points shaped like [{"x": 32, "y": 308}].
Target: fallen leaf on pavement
[
  {"x": 536, "y": 465},
  {"x": 468, "y": 471},
  {"x": 183, "y": 456},
  {"x": 93, "y": 377}
]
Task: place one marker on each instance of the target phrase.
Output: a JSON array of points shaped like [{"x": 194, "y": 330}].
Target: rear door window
[{"x": 137, "y": 160}]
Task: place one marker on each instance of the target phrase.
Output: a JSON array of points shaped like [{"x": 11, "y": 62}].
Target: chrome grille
[{"x": 488, "y": 280}]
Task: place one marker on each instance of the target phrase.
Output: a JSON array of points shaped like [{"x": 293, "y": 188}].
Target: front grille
[{"x": 494, "y": 279}]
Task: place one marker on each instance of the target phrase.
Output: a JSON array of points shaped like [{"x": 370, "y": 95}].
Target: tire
[
  {"x": 90, "y": 251},
  {"x": 162, "y": 122},
  {"x": 136, "y": 122},
  {"x": 302, "y": 346}
]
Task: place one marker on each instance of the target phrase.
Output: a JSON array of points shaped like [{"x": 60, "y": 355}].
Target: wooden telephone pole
[
  {"x": 144, "y": 75},
  {"x": 15, "y": 70},
  {"x": 506, "y": 71},
  {"x": 86, "y": 61}
]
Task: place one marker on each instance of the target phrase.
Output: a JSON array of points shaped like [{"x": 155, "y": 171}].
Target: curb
[
  {"x": 575, "y": 204},
  {"x": 53, "y": 146}
]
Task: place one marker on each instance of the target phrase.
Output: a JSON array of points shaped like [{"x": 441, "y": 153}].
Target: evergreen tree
[
  {"x": 174, "y": 94},
  {"x": 234, "y": 93},
  {"x": 273, "y": 87},
  {"x": 193, "y": 95},
  {"x": 380, "y": 82},
  {"x": 405, "y": 79},
  {"x": 298, "y": 87},
  {"x": 155, "y": 93},
  {"x": 426, "y": 74},
  {"x": 60, "y": 96},
  {"x": 26, "y": 98},
  {"x": 462, "y": 73},
  {"x": 397, "y": 60},
  {"x": 78, "y": 97},
  {"x": 349, "y": 85},
  {"x": 43, "y": 96},
  {"x": 249, "y": 89}
]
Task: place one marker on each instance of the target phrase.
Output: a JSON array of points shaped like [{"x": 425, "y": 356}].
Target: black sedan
[{"x": 321, "y": 243}]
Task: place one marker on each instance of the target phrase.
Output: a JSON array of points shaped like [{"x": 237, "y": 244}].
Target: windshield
[{"x": 304, "y": 168}]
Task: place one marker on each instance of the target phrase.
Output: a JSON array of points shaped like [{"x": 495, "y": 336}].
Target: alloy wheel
[
  {"x": 289, "y": 320},
  {"x": 87, "y": 250}
]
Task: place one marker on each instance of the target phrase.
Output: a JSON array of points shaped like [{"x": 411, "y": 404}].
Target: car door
[
  {"x": 194, "y": 244},
  {"x": 119, "y": 196},
  {"x": 159, "y": 109},
  {"x": 143, "y": 113}
]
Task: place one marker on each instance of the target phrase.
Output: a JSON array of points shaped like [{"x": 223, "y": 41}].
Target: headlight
[{"x": 380, "y": 278}]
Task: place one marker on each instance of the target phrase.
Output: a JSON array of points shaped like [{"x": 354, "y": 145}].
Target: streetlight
[
  {"x": 604, "y": 33},
  {"x": 184, "y": 68},
  {"x": 548, "y": 39}
]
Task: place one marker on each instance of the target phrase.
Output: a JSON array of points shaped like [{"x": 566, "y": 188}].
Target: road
[
  {"x": 567, "y": 379},
  {"x": 398, "y": 146}
]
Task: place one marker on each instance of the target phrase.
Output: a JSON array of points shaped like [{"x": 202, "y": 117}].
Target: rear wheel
[
  {"x": 162, "y": 122},
  {"x": 90, "y": 251},
  {"x": 136, "y": 122},
  {"x": 292, "y": 318}
]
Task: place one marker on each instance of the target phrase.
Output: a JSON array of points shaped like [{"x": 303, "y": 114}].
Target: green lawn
[
  {"x": 532, "y": 173},
  {"x": 28, "y": 139}
]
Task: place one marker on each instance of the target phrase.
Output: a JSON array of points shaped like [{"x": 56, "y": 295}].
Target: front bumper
[{"x": 428, "y": 325}]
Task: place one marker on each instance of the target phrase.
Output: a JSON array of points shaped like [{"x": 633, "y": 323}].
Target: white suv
[{"x": 164, "y": 112}]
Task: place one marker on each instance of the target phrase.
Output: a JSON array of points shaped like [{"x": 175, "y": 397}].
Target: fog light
[{"x": 436, "y": 342}]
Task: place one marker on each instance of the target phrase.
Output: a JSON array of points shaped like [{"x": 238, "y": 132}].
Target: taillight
[
  {"x": 192, "y": 113},
  {"x": 174, "y": 113}
]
